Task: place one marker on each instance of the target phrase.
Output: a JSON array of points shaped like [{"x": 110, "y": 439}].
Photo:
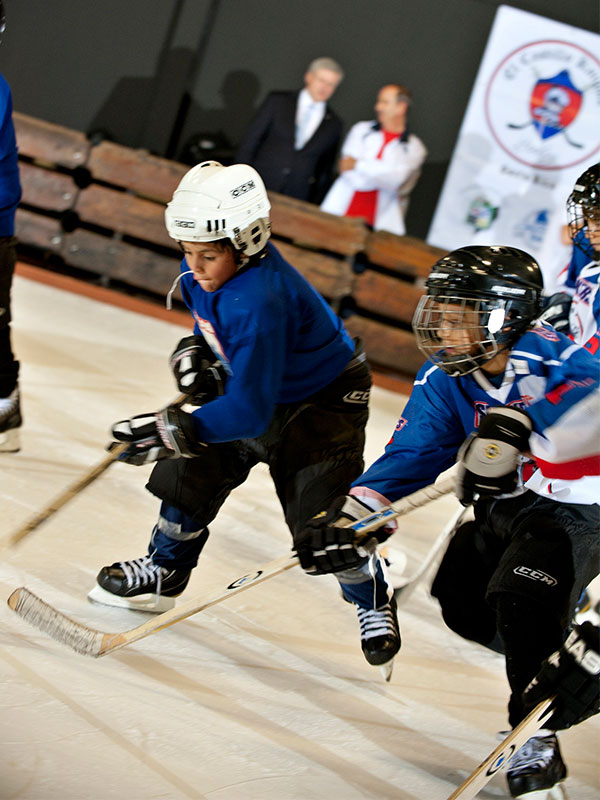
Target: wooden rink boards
[{"x": 264, "y": 696}]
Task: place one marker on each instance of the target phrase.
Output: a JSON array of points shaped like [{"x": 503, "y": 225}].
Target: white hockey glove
[
  {"x": 151, "y": 437},
  {"x": 489, "y": 459},
  {"x": 325, "y": 546},
  {"x": 199, "y": 374},
  {"x": 573, "y": 675}
]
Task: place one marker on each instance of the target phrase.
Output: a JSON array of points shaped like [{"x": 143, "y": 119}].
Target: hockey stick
[
  {"x": 501, "y": 756},
  {"x": 73, "y": 490},
  {"x": 95, "y": 643},
  {"x": 403, "y": 592},
  {"x": 68, "y": 494}
]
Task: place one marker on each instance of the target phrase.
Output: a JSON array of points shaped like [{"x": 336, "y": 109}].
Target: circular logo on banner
[{"x": 542, "y": 105}]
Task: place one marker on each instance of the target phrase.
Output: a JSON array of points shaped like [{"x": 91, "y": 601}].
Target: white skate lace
[
  {"x": 376, "y": 623},
  {"x": 536, "y": 752},
  {"x": 141, "y": 572}
]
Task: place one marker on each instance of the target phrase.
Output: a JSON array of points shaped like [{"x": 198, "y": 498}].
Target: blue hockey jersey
[
  {"x": 555, "y": 381},
  {"x": 10, "y": 187},
  {"x": 277, "y": 337},
  {"x": 582, "y": 282}
]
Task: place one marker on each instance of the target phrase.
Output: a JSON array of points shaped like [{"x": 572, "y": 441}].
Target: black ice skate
[
  {"x": 139, "y": 584},
  {"x": 536, "y": 770},
  {"x": 380, "y": 636},
  {"x": 10, "y": 422}
]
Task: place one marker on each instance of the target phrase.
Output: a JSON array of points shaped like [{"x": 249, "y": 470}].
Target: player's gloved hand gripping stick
[{"x": 116, "y": 453}]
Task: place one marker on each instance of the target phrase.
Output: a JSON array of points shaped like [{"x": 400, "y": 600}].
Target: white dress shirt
[{"x": 394, "y": 175}]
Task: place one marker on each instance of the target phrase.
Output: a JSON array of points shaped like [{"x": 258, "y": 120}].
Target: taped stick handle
[
  {"x": 73, "y": 490},
  {"x": 419, "y": 498}
]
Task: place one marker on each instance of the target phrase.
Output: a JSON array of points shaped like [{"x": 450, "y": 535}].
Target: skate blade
[
  {"x": 10, "y": 441},
  {"x": 387, "y": 669},
  {"x": 141, "y": 602},
  {"x": 555, "y": 793}
]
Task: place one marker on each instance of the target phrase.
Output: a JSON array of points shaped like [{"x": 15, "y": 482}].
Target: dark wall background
[{"x": 156, "y": 73}]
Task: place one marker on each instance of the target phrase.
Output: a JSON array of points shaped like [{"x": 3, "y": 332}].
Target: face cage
[
  {"x": 483, "y": 323},
  {"x": 579, "y": 229}
]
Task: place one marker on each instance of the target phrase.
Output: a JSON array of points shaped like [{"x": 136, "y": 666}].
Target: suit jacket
[{"x": 268, "y": 146}]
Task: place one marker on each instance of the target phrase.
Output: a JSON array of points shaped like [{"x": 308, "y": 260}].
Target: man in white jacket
[{"x": 380, "y": 165}]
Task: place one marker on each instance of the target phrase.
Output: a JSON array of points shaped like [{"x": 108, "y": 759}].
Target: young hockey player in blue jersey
[
  {"x": 516, "y": 404},
  {"x": 576, "y": 309},
  {"x": 280, "y": 382}
]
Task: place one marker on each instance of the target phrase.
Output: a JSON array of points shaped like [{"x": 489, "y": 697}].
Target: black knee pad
[{"x": 460, "y": 586}]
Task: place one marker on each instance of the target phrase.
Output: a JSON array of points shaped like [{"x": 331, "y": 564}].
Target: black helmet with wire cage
[
  {"x": 491, "y": 293},
  {"x": 583, "y": 205}
]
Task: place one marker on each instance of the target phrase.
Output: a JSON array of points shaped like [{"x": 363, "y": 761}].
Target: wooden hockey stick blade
[
  {"x": 95, "y": 643},
  {"x": 73, "y": 490},
  {"x": 90, "y": 642},
  {"x": 403, "y": 592},
  {"x": 501, "y": 756}
]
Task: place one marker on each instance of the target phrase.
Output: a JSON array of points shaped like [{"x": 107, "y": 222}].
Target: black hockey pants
[
  {"x": 314, "y": 450},
  {"x": 514, "y": 575}
]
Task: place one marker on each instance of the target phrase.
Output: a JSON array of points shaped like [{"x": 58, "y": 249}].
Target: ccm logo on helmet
[
  {"x": 245, "y": 187},
  {"x": 535, "y": 575},
  {"x": 184, "y": 223}
]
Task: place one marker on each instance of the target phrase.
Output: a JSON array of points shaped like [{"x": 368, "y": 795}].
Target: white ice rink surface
[{"x": 264, "y": 697}]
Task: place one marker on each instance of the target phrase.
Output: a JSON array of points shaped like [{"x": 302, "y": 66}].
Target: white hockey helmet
[{"x": 215, "y": 202}]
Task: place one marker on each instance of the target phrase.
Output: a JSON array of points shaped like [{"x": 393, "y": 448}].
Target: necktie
[{"x": 302, "y": 126}]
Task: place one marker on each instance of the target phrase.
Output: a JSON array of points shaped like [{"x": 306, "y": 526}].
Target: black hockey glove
[
  {"x": 325, "y": 546},
  {"x": 573, "y": 675},
  {"x": 151, "y": 437},
  {"x": 489, "y": 459},
  {"x": 556, "y": 311},
  {"x": 199, "y": 374}
]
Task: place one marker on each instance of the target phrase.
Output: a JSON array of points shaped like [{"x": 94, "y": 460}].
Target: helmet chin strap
[
  {"x": 243, "y": 261},
  {"x": 174, "y": 286}
]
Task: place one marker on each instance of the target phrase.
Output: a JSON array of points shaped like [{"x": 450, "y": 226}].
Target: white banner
[{"x": 531, "y": 127}]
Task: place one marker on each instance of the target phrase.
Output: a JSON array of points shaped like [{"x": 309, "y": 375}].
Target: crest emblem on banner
[
  {"x": 542, "y": 104},
  {"x": 554, "y": 104}
]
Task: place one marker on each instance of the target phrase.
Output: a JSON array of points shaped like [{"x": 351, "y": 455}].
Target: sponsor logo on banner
[
  {"x": 532, "y": 228},
  {"x": 481, "y": 213},
  {"x": 541, "y": 102}
]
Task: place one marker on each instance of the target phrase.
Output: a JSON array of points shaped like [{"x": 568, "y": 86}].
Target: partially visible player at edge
[
  {"x": 576, "y": 309},
  {"x": 279, "y": 381},
  {"x": 526, "y": 399},
  {"x": 10, "y": 195}
]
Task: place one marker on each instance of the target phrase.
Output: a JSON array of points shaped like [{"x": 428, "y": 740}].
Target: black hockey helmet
[
  {"x": 491, "y": 293},
  {"x": 583, "y": 205}
]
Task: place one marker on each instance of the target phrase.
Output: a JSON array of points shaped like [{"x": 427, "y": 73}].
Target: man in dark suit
[{"x": 294, "y": 137}]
